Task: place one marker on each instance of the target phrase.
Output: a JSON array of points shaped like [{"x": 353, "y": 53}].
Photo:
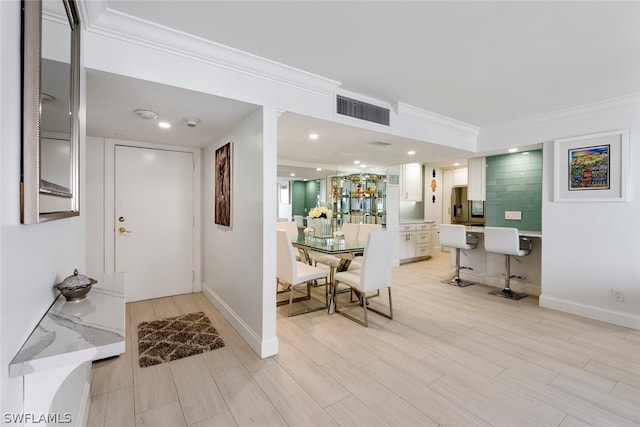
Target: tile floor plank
[
  {"x": 197, "y": 391},
  {"x": 386, "y": 404},
  {"x": 351, "y": 412},
  {"x": 452, "y": 356},
  {"x": 311, "y": 377},
  {"x": 153, "y": 387},
  {"x": 247, "y": 402},
  {"x": 293, "y": 403},
  {"x": 169, "y": 415}
]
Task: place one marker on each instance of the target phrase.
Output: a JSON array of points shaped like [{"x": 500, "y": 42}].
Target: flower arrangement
[
  {"x": 320, "y": 212},
  {"x": 338, "y": 234},
  {"x": 308, "y": 230}
]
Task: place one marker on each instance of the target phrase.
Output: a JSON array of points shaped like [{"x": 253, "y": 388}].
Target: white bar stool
[
  {"x": 506, "y": 241},
  {"x": 455, "y": 236}
]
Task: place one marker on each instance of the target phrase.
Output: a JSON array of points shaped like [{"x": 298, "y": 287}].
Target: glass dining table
[{"x": 343, "y": 250}]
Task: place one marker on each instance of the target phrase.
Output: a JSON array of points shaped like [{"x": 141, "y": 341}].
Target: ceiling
[{"x": 483, "y": 63}]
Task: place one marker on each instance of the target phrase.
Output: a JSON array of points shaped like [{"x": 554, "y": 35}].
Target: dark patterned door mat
[{"x": 173, "y": 338}]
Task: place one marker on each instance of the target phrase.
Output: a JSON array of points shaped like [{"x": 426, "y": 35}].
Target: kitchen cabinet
[
  {"x": 414, "y": 241},
  {"x": 406, "y": 242},
  {"x": 411, "y": 182},
  {"x": 423, "y": 240},
  {"x": 477, "y": 178},
  {"x": 460, "y": 176}
]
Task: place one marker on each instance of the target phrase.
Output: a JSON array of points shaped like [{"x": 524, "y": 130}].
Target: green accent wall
[
  {"x": 304, "y": 196},
  {"x": 514, "y": 183}
]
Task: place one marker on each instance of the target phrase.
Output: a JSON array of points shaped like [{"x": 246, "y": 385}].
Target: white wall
[
  {"x": 33, "y": 257},
  {"x": 587, "y": 248},
  {"x": 433, "y": 211},
  {"x": 95, "y": 185},
  {"x": 239, "y": 261}
]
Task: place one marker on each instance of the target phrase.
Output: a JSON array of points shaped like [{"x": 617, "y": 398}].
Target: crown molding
[
  {"x": 100, "y": 19},
  {"x": 575, "y": 113},
  {"x": 431, "y": 119}
]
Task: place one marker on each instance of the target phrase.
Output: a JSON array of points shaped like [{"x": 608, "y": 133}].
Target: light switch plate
[{"x": 513, "y": 215}]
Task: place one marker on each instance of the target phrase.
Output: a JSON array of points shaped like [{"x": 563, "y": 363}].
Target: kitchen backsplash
[
  {"x": 514, "y": 183},
  {"x": 411, "y": 211}
]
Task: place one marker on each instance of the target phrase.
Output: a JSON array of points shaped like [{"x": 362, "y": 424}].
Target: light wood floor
[{"x": 451, "y": 356}]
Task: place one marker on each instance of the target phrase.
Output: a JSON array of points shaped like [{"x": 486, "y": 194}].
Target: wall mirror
[{"x": 50, "y": 100}]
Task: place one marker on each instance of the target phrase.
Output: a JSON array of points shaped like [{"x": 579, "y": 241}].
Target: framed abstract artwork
[
  {"x": 591, "y": 168},
  {"x": 222, "y": 185}
]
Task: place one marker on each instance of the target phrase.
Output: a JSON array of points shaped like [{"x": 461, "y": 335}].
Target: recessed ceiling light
[
  {"x": 164, "y": 125},
  {"x": 356, "y": 162},
  {"x": 411, "y": 153},
  {"x": 319, "y": 169},
  {"x": 513, "y": 150},
  {"x": 363, "y": 166},
  {"x": 313, "y": 136},
  {"x": 146, "y": 114},
  {"x": 191, "y": 123},
  {"x": 456, "y": 164},
  {"x": 292, "y": 174},
  {"x": 525, "y": 152}
]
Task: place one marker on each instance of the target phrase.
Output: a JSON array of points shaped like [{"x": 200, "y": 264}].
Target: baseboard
[
  {"x": 262, "y": 348},
  {"x": 591, "y": 312},
  {"x": 498, "y": 282}
]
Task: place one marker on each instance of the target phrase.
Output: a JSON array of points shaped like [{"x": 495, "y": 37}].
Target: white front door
[{"x": 154, "y": 221}]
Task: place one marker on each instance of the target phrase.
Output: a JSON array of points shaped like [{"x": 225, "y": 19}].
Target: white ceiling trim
[
  {"x": 575, "y": 113},
  {"x": 431, "y": 119},
  {"x": 99, "y": 19}
]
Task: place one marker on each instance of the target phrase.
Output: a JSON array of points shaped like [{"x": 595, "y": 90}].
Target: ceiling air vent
[{"x": 362, "y": 110}]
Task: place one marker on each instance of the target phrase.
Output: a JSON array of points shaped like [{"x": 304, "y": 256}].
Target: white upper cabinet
[
  {"x": 477, "y": 186},
  {"x": 460, "y": 176},
  {"x": 411, "y": 183}
]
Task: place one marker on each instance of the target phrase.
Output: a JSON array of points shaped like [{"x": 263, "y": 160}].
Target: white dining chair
[
  {"x": 365, "y": 229},
  {"x": 289, "y": 226},
  {"x": 363, "y": 235},
  {"x": 350, "y": 232},
  {"x": 374, "y": 275},
  {"x": 296, "y": 273}
]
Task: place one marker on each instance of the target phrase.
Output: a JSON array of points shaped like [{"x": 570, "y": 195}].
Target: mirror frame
[{"x": 30, "y": 183}]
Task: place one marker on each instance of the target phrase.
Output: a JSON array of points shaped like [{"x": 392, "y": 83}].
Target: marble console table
[{"x": 68, "y": 338}]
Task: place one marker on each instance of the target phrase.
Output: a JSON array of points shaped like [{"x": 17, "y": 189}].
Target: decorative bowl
[{"x": 76, "y": 287}]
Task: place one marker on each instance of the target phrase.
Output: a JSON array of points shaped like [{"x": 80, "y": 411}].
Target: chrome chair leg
[
  {"x": 507, "y": 292},
  {"x": 457, "y": 281}
]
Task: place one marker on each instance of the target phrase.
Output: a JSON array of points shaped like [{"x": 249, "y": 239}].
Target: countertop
[
  {"x": 78, "y": 331},
  {"x": 523, "y": 233}
]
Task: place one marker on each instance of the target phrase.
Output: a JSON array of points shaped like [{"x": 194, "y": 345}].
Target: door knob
[{"x": 123, "y": 230}]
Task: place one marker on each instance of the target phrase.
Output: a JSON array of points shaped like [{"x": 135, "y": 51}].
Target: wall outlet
[
  {"x": 617, "y": 296},
  {"x": 513, "y": 215}
]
